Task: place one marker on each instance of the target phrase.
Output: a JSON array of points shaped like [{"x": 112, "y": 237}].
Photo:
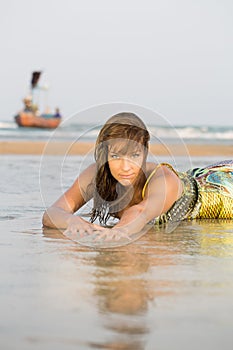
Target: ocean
[
  {"x": 75, "y": 129},
  {"x": 162, "y": 291}
]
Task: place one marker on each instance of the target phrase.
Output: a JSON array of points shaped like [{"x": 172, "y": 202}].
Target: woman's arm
[{"x": 60, "y": 214}]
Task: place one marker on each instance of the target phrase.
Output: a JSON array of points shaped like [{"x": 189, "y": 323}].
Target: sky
[{"x": 174, "y": 57}]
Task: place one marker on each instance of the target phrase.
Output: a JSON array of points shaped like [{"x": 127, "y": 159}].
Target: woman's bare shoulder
[
  {"x": 160, "y": 168},
  {"x": 163, "y": 184},
  {"x": 82, "y": 186},
  {"x": 90, "y": 169},
  {"x": 88, "y": 174},
  {"x": 150, "y": 166}
]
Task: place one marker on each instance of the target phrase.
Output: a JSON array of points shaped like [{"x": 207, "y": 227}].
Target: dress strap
[{"x": 152, "y": 174}]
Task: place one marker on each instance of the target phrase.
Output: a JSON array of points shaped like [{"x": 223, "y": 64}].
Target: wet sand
[
  {"x": 172, "y": 290},
  {"x": 81, "y": 148}
]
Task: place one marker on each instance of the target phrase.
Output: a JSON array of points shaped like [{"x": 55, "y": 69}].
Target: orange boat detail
[{"x": 27, "y": 119}]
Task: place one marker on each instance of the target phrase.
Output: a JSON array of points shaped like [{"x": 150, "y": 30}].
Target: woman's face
[{"x": 125, "y": 161}]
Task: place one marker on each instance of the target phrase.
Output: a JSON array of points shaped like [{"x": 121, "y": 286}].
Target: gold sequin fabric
[
  {"x": 215, "y": 191},
  {"x": 207, "y": 194}
]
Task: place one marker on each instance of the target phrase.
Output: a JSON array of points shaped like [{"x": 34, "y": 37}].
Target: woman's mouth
[{"x": 128, "y": 176}]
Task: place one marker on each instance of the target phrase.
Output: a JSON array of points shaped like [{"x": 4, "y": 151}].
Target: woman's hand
[
  {"x": 79, "y": 226},
  {"x": 108, "y": 234}
]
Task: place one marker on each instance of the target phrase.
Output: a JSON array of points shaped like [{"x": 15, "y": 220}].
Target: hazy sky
[{"x": 172, "y": 56}]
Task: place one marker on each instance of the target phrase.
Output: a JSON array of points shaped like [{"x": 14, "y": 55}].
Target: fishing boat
[
  {"x": 27, "y": 119},
  {"x": 30, "y": 115}
]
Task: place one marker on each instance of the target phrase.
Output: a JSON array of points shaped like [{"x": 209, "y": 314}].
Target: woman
[{"x": 124, "y": 185}]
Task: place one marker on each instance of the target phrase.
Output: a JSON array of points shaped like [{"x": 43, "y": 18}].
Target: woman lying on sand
[{"x": 124, "y": 185}]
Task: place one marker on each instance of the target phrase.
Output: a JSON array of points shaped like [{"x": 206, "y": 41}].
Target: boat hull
[{"x": 30, "y": 120}]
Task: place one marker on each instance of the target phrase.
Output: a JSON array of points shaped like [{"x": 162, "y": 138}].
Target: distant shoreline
[{"x": 83, "y": 148}]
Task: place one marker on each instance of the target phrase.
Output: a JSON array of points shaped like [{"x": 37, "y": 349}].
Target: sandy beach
[{"x": 81, "y": 148}]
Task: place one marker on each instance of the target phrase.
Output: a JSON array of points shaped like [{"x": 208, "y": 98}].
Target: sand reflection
[{"x": 128, "y": 282}]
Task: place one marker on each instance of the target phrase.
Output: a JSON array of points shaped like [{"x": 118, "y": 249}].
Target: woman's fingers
[
  {"x": 73, "y": 230},
  {"x": 109, "y": 234},
  {"x": 69, "y": 233},
  {"x": 80, "y": 229},
  {"x": 98, "y": 227}
]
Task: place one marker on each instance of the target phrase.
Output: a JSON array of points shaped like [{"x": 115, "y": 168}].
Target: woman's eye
[
  {"x": 135, "y": 155},
  {"x": 114, "y": 156}
]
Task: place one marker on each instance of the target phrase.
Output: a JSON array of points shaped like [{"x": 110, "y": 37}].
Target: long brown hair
[{"x": 108, "y": 193}]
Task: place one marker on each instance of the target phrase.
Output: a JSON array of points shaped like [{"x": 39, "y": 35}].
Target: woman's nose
[{"x": 125, "y": 164}]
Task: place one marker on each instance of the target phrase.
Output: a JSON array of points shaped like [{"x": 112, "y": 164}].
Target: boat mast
[{"x": 35, "y": 90}]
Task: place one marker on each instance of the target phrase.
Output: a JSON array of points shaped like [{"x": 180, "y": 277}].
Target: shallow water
[{"x": 163, "y": 291}]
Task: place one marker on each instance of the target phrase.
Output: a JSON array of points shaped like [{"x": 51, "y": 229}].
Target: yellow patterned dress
[{"x": 207, "y": 193}]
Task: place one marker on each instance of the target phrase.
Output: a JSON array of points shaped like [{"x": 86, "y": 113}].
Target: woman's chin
[{"x": 126, "y": 182}]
